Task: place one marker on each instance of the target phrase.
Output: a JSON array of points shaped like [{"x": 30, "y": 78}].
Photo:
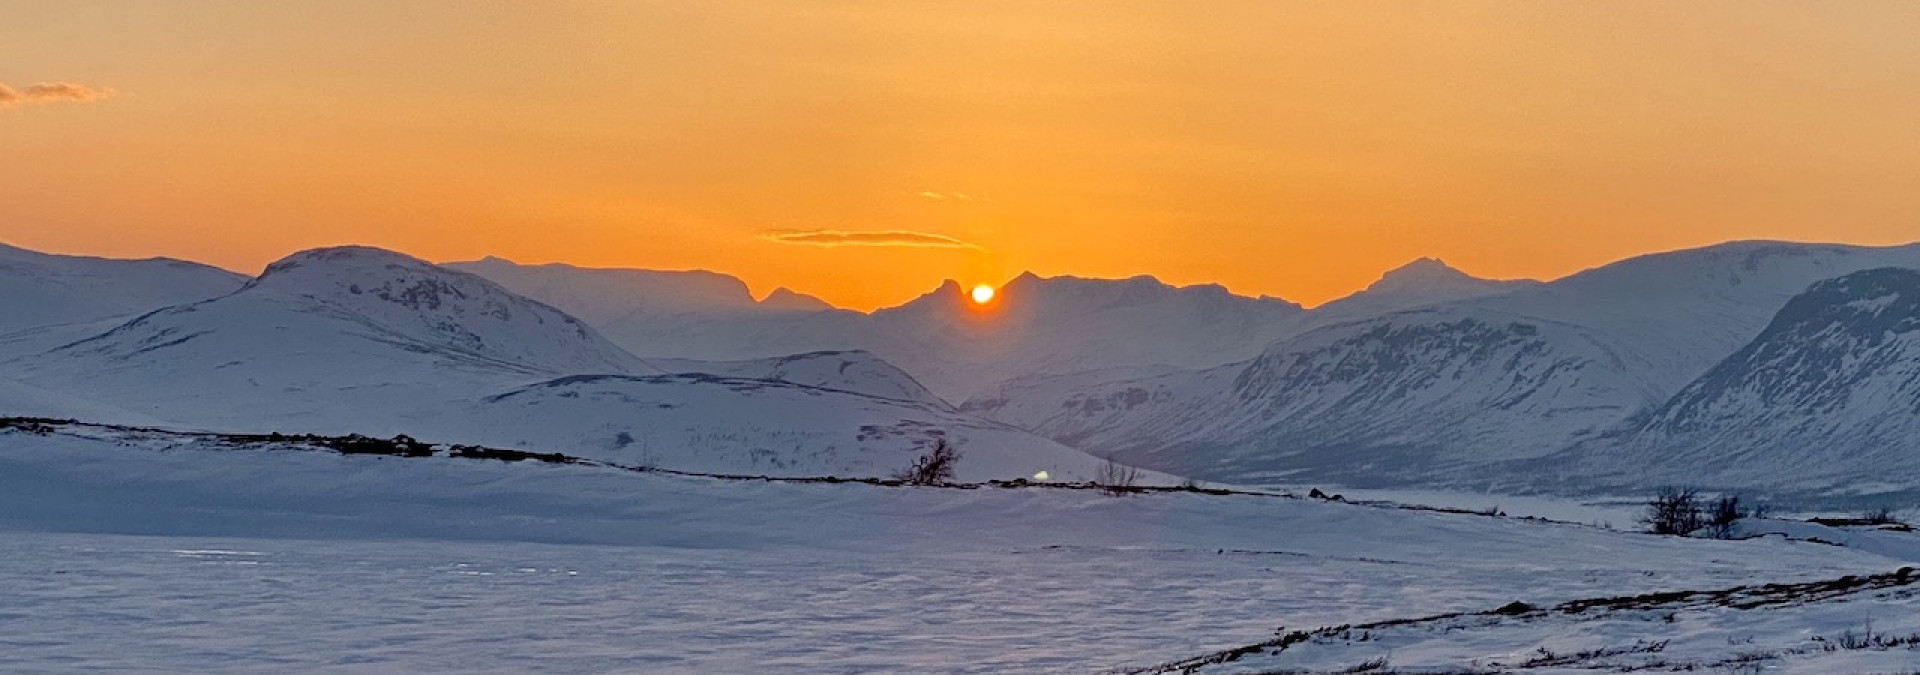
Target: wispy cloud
[
  {"x": 945, "y": 196},
  {"x": 51, "y": 92},
  {"x": 897, "y": 238}
]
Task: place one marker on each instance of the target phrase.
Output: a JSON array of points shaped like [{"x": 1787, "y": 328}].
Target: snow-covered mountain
[
  {"x": 684, "y": 315},
  {"x": 322, "y": 336},
  {"x": 784, "y": 299},
  {"x": 1426, "y": 281},
  {"x": 1683, "y": 311},
  {"x": 1066, "y": 324},
  {"x": 605, "y": 296},
  {"x": 1426, "y": 396},
  {"x": 1383, "y": 401},
  {"x": 41, "y": 289},
  {"x": 1035, "y": 324},
  {"x": 1828, "y": 393},
  {"x": 361, "y": 340},
  {"x": 1429, "y": 377},
  {"x": 431, "y": 309}
]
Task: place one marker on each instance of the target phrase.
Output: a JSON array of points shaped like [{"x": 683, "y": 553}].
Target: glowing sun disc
[{"x": 982, "y": 294}]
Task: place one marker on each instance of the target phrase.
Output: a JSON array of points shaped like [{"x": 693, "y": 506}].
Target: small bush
[
  {"x": 1674, "y": 511},
  {"x": 1722, "y": 515},
  {"x": 933, "y": 468},
  {"x": 1116, "y": 479},
  {"x": 1879, "y": 516}
]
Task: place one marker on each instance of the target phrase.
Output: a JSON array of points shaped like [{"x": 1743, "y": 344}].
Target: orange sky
[{"x": 1286, "y": 148}]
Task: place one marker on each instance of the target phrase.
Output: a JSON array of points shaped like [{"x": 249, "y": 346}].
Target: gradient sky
[{"x": 864, "y": 151}]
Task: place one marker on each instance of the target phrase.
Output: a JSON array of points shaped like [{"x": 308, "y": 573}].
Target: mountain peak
[
  {"x": 1423, "y": 281},
  {"x": 342, "y": 256},
  {"x": 344, "y": 298},
  {"x": 785, "y": 299},
  {"x": 344, "y": 273},
  {"x": 1422, "y": 271}
]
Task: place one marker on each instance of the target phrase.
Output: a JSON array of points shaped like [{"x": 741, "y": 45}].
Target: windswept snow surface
[
  {"x": 1423, "y": 282},
  {"x": 161, "y": 552}
]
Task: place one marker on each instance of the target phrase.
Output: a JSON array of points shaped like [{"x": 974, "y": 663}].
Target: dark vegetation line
[
  {"x": 1738, "y": 597},
  {"x": 407, "y": 447}
]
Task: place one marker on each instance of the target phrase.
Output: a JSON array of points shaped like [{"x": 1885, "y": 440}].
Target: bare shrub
[
  {"x": 1722, "y": 515},
  {"x": 1674, "y": 511},
  {"x": 933, "y": 468},
  {"x": 1879, "y": 516},
  {"x": 1116, "y": 479}
]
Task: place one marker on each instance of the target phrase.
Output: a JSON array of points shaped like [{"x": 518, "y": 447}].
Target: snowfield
[{"x": 164, "y": 552}]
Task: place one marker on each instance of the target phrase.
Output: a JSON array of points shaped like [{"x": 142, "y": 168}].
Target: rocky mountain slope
[
  {"x": 1828, "y": 395},
  {"x": 1433, "y": 395}
]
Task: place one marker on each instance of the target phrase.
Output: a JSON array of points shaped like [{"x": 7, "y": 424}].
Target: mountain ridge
[
  {"x": 1423, "y": 396},
  {"x": 1827, "y": 395}
]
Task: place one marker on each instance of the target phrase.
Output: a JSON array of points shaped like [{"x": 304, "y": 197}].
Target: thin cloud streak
[
  {"x": 945, "y": 196},
  {"x": 51, "y": 92},
  {"x": 894, "y": 238}
]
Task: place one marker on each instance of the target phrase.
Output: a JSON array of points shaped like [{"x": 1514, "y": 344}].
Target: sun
[{"x": 982, "y": 294}]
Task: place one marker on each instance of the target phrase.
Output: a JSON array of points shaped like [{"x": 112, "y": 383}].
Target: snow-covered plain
[{"x": 162, "y": 552}]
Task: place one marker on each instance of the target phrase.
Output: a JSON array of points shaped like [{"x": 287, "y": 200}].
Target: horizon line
[{"x": 759, "y": 297}]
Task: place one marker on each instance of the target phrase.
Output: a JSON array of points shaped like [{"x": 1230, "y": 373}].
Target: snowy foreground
[{"x": 161, "y": 552}]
